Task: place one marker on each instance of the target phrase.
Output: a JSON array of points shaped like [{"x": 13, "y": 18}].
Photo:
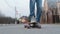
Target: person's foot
[
  {"x": 33, "y": 19},
  {"x": 30, "y": 18}
]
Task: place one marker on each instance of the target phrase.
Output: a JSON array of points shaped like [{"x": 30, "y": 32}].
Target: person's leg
[
  {"x": 39, "y": 10},
  {"x": 32, "y": 9}
]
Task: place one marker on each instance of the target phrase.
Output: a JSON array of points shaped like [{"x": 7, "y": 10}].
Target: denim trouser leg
[
  {"x": 32, "y": 8},
  {"x": 39, "y": 10}
]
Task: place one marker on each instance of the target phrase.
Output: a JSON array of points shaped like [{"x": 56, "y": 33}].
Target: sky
[{"x": 7, "y": 7}]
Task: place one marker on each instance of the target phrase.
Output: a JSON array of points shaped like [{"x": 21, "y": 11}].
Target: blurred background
[{"x": 16, "y": 11}]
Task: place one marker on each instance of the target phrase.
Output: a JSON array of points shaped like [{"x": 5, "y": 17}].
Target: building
[
  {"x": 45, "y": 9},
  {"x": 58, "y": 10},
  {"x": 58, "y": 7}
]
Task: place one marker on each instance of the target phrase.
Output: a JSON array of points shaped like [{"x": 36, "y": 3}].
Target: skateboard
[{"x": 32, "y": 25}]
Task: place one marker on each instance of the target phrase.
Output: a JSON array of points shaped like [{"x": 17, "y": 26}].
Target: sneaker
[{"x": 33, "y": 19}]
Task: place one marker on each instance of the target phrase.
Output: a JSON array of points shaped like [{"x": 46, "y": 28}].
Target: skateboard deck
[{"x": 32, "y": 25}]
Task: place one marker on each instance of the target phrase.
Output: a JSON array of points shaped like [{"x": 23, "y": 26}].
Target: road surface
[{"x": 19, "y": 29}]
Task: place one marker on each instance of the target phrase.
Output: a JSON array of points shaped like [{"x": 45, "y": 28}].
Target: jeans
[{"x": 39, "y": 9}]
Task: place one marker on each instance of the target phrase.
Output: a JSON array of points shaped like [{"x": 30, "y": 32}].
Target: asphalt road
[{"x": 19, "y": 29}]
